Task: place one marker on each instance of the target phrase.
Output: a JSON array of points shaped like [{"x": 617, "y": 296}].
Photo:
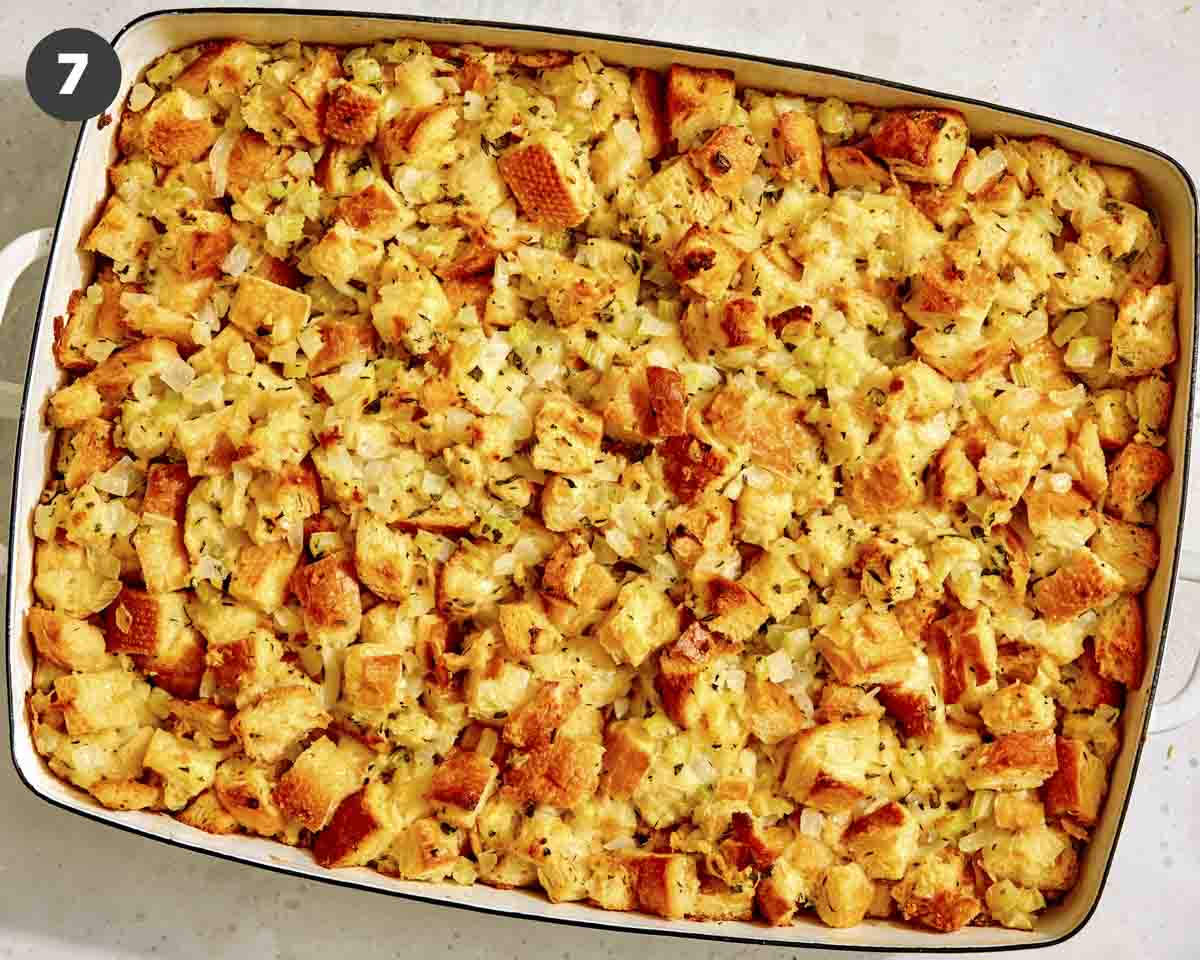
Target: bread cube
[
  {"x": 1078, "y": 786},
  {"x": 704, "y": 262},
  {"x": 793, "y": 880},
  {"x": 844, "y": 895},
  {"x": 1062, "y": 519},
  {"x": 177, "y": 128},
  {"x": 351, "y": 113},
  {"x": 330, "y": 597},
  {"x": 1133, "y": 477},
  {"x": 412, "y": 306},
  {"x": 882, "y": 488},
  {"x": 697, "y": 101},
  {"x": 66, "y": 642},
  {"x": 795, "y": 150},
  {"x": 224, "y": 67},
  {"x": 827, "y": 766},
  {"x": 65, "y": 581},
  {"x": 104, "y": 700},
  {"x": 884, "y": 842},
  {"x": 1018, "y": 708},
  {"x": 642, "y": 620},
  {"x": 162, "y": 554},
  {"x": 773, "y": 713},
  {"x": 122, "y": 233},
  {"x": 650, "y": 108},
  {"x": 1013, "y": 761},
  {"x": 526, "y": 630},
  {"x": 307, "y": 98},
  {"x": 1018, "y": 810},
  {"x": 710, "y": 328},
  {"x": 538, "y": 720},
  {"x": 564, "y": 773},
  {"x": 244, "y": 790},
  {"x": 853, "y": 167},
  {"x": 461, "y": 786},
  {"x": 727, "y": 159},
  {"x": 384, "y": 559},
  {"x": 1083, "y": 583},
  {"x": 665, "y": 884},
  {"x": 362, "y": 829},
  {"x": 466, "y": 585},
  {"x": 920, "y": 144},
  {"x": 267, "y": 310},
  {"x": 549, "y": 185},
  {"x": 567, "y": 436},
  {"x": 87, "y": 452},
  {"x": 1145, "y": 337},
  {"x": 628, "y": 750},
  {"x": 186, "y": 768},
  {"x": 373, "y": 677},
  {"x": 1121, "y": 642},
  {"x": 126, "y": 794},
  {"x": 871, "y": 650},
  {"x": 690, "y": 466},
  {"x": 155, "y": 628},
  {"x": 425, "y": 850},
  {"x": 939, "y": 892},
  {"x": 206, "y": 813},
  {"x": 263, "y": 572},
  {"x": 277, "y": 721},
  {"x": 1039, "y": 858},
  {"x": 322, "y": 777}
]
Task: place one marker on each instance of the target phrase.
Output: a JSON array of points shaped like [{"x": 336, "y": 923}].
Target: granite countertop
[{"x": 72, "y": 889}]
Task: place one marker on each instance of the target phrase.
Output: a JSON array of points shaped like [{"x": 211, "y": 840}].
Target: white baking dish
[{"x": 1169, "y": 191}]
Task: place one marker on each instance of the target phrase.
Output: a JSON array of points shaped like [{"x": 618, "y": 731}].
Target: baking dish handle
[
  {"x": 1185, "y": 705},
  {"x": 15, "y": 258}
]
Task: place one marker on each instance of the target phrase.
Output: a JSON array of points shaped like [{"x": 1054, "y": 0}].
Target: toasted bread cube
[
  {"x": 738, "y": 612},
  {"x": 107, "y": 699},
  {"x": 126, "y": 794},
  {"x": 177, "y": 128},
  {"x": 690, "y": 466},
  {"x": 1018, "y": 810},
  {"x": 280, "y": 718},
  {"x": 844, "y": 895},
  {"x": 697, "y": 101},
  {"x": 679, "y": 669},
  {"x": 206, "y": 813},
  {"x": 1018, "y": 708},
  {"x": 564, "y": 773},
  {"x": 842, "y": 702},
  {"x": 628, "y": 750},
  {"x": 1144, "y": 338},
  {"x": 1129, "y": 549},
  {"x": 793, "y": 880},
  {"x": 245, "y": 790},
  {"x": 773, "y": 713},
  {"x": 261, "y": 577},
  {"x": 874, "y": 650},
  {"x": 650, "y": 108},
  {"x": 1115, "y": 422},
  {"x": 461, "y": 786},
  {"x": 1014, "y": 761},
  {"x": 413, "y": 132},
  {"x": 1063, "y": 519},
  {"x": 424, "y": 850},
  {"x": 466, "y": 585},
  {"x": 351, "y": 113},
  {"x": 66, "y": 642},
  {"x": 100, "y": 392},
  {"x": 939, "y": 892},
  {"x": 199, "y": 249},
  {"x": 1087, "y": 453},
  {"x": 1152, "y": 396},
  {"x": 373, "y": 676},
  {"x": 795, "y": 150},
  {"x": 882, "y": 488},
  {"x": 88, "y": 451},
  {"x": 1078, "y": 786},
  {"x": 384, "y": 559},
  {"x": 538, "y": 720},
  {"x": 362, "y": 828},
  {"x": 727, "y": 159},
  {"x": 264, "y": 309},
  {"x": 330, "y": 597},
  {"x": 65, "y": 582},
  {"x": 922, "y": 145},
  {"x": 577, "y": 294},
  {"x": 376, "y": 212},
  {"x": 883, "y": 842},
  {"x": 1133, "y": 477},
  {"x": 307, "y": 97},
  {"x": 224, "y": 66},
  {"x": 86, "y": 758},
  {"x": 547, "y": 182},
  {"x": 1084, "y": 583},
  {"x": 641, "y": 620},
  {"x": 704, "y": 262},
  {"x": 1040, "y": 858},
  {"x": 342, "y": 255},
  {"x": 665, "y": 884},
  {"x": 526, "y": 630},
  {"x": 200, "y": 719},
  {"x": 322, "y": 777},
  {"x": 852, "y": 167},
  {"x": 186, "y": 769},
  {"x": 710, "y": 328},
  {"x": 496, "y": 689},
  {"x": 1121, "y": 642},
  {"x": 122, "y": 233},
  {"x": 827, "y": 766},
  {"x": 162, "y": 554},
  {"x": 343, "y": 341},
  {"x": 412, "y": 304},
  {"x": 155, "y": 628},
  {"x": 567, "y": 567},
  {"x": 568, "y": 436}
]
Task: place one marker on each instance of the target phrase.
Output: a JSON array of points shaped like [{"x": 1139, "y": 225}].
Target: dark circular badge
[{"x": 73, "y": 74}]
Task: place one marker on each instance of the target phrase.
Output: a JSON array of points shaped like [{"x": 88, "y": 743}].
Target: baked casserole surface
[{"x": 499, "y": 466}]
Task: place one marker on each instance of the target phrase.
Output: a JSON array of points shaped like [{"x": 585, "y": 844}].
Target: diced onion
[
  {"x": 985, "y": 168},
  {"x": 703, "y": 768},
  {"x": 735, "y": 680},
  {"x": 119, "y": 480},
  {"x": 620, "y": 843},
  {"x": 237, "y": 261},
  {"x": 177, "y": 374},
  {"x": 780, "y": 667},
  {"x": 218, "y": 163},
  {"x": 621, "y": 707},
  {"x": 140, "y": 97},
  {"x": 812, "y": 822}
]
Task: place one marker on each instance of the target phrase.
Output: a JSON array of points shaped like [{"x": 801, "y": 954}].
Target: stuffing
[
  {"x": 826, "y": 768},
  {"x": 1133, "y": 477},
  {"x": 884, "y": 842},
  {"x": 697, "y": 100},
  {"x": 324, "y": 775},
  {"x": 1013, "y": 761},
  {"x": 921, "y": 145},
  {"x": 1144, "y": 337},
  {"x": 938, "y": 892},
  {"x": 548, "y": 184},
  {"x": 277, "y": 721},
  {"x": 1121, "y": 642},
  {"x": 641, "y": 620},
  {"x": 1085, "y": 582},
  {"x": 362, "y": 828}
]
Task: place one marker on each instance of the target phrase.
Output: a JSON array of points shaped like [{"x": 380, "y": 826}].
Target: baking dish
[{"x": 1168, "y": 189}]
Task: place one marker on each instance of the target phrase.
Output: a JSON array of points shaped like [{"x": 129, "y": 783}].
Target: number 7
[{"x": 78, "y": 62}]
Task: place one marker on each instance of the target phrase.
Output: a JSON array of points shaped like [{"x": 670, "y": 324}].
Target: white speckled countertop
[{"x": 72, "y": 889}]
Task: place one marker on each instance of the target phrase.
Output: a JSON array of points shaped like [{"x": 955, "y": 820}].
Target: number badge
[{"x": 73, "y": 74}]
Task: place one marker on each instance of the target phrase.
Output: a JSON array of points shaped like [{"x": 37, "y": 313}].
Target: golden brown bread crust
[
  {"x": 563, "y": 773},
  {"x": 536, "y": 176},
  {"x": 1121, "y": 642},
  {"x": 1086, "y": 582}
]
